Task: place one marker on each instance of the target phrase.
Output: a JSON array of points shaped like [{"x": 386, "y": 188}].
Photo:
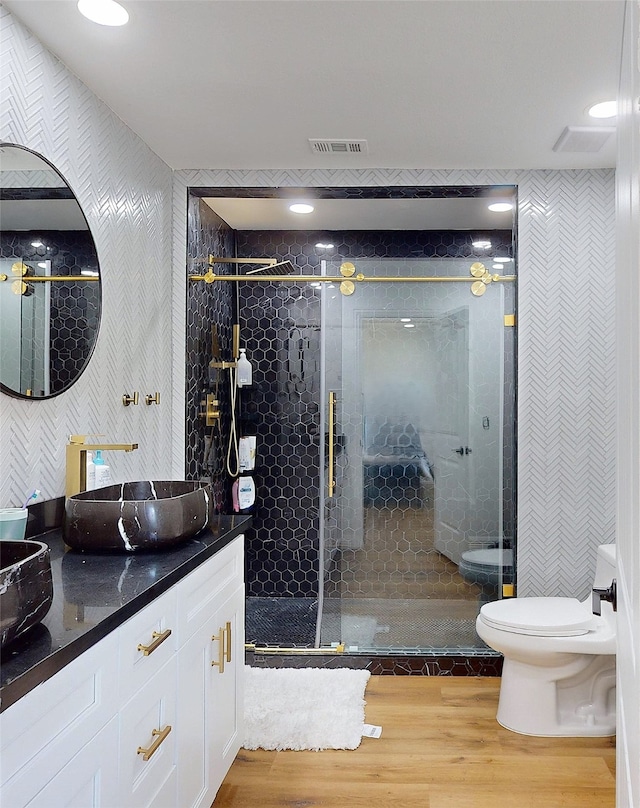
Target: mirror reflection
[{"x": 50, "y": 297}]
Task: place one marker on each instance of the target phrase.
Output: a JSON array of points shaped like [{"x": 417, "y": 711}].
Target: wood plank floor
[{"x": 441, "y": 747}]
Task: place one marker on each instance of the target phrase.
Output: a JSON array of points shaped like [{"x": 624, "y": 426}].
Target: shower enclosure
[
  {"x": 386, "y": 429},
  {"x": 418, "y": 422}
]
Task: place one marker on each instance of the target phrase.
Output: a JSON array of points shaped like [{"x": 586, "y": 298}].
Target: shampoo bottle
[
  {"x": 102, "y": 471},
  {"x": 244, "y": 369}
]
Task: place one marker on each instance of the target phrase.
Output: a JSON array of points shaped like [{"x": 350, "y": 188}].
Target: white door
[
  {"x": 453, "y": 457},
  {"x": 628, "y": 468}
]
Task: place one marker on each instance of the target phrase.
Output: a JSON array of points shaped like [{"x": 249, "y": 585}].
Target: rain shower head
[{"x": 281, "y": 268}]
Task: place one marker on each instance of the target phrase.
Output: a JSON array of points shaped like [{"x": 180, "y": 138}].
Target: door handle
[
  {"x": 331, "y": 483},
  {"x": 463, "y": 450}
]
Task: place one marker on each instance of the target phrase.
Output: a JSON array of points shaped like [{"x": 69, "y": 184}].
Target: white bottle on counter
[{"x": 102, "y": 471}]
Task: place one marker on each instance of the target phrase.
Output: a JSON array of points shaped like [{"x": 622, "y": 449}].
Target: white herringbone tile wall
[
  {"x": 125, "y": 192},
  {"x": 566, "y": 344}
]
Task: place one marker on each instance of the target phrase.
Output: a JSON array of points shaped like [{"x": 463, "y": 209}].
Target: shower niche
[{"x": 385, "y": 418}]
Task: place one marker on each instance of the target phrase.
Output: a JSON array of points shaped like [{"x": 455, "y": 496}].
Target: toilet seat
[
  {"x": 489, "y": 557},
  {"x": 539, "y": 617}
]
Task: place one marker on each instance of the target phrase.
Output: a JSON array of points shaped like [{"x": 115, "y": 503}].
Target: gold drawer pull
[
  {"x": 228, "y": 642},
  {"x": 158, "y": 639},
  {"x": 220, "y": 638},
  {"x": 159, "y": 735}
]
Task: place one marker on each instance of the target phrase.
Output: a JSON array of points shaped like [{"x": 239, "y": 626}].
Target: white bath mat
[{"x": 304, "y": 708}]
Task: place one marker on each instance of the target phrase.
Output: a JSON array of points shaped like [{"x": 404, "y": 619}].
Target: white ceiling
[
  {"x": 215, "y": 84},
  {"x": 428, "y": 83}
]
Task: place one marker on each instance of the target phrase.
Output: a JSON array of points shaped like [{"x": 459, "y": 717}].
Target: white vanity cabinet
[
  {"x": 210, "y": 666},
  {"x": 148, "y": 717},
  {"x": 53, "y": 750}
]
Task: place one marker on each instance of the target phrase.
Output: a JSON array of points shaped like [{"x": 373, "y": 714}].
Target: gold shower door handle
[{"x": 332, "y": 447}]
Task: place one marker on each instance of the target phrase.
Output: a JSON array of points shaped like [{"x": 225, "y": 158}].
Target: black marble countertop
[{"x": 94, "y": 594}]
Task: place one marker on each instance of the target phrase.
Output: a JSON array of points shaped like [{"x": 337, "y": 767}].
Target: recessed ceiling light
[
  {"x": 36, "y": 244},
  {"x": 481, "y": 244},
  {"x": 301, "y": 207},
  {"x": 405, "y": 319},
  {"x": 606, "y": 109},
  {"x": 497, "y": 266},
  {"x": 321, "y": 246},
  {"x": 502, "y": 259},
  {"x": 500, "y": 207},
  {"x": 104, "y": 12},
  {"x": 409, "y": 325}
]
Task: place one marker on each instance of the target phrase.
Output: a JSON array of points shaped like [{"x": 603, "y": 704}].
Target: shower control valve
[
  {"x": 210, "y": 409},
  {"x": 610, "y": 595}
]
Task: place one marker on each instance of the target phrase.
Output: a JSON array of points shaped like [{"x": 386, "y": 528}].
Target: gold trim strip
[
  {"x": 509, "y": 320},
  {"x": 338, "y": 649}
]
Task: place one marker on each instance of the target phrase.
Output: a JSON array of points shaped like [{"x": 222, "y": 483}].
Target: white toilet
[
  {"x": 487, "y": 568},
  {"x": 559, "y": 672}
]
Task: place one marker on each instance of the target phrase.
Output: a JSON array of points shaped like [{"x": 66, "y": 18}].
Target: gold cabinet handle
[
  {"x": 127, "y": 399},
  {"x": 220, "y": 638},
  {"x": 159, "y": 735},
  {"x": 332, "y": 437},
  {"x": 149, "y": 399},
  {"x": 158, "y": 639},
  {"x": 228, "y": 633}
]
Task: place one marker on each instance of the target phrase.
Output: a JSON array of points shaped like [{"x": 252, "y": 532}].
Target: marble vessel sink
[
  {"x": 145, "y": 515},
  {"x": 26, "y": 587}
]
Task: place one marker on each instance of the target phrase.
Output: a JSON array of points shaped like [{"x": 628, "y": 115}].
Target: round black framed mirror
[{"x": 50, "y": 290}]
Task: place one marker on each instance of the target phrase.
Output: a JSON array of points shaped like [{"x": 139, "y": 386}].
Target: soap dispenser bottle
[
  {"x": 244, "y": 369},
  {"x": 102, "y": 471}
]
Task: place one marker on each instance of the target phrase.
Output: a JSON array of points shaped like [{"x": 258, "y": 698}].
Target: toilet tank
[{"x": 605, "y": 565}]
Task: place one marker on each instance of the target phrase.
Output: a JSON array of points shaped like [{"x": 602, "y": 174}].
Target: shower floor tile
[
  {"x": 373, "y": 624},
  {"x": 281, "y": 621}
]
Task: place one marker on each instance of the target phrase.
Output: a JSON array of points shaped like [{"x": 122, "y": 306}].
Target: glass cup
[{"x": 13, "y": 523}]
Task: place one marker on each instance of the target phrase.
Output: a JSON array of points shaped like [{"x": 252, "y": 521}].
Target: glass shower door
[{"x": 413, "y": 422}]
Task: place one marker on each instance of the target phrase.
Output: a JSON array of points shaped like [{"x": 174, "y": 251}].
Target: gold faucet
[{"x": 76, "y": 475}]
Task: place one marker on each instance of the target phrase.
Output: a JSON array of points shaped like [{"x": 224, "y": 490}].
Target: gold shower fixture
[
  {"x": 348, "y": 278},
  {"x": 21, "y": 285},
  {"x": 479, "y": 287}
]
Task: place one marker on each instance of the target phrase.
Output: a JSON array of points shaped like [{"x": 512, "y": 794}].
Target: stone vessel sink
[
  {"x": 145, "y": 515},
  {"x": 26, "y": 587}
]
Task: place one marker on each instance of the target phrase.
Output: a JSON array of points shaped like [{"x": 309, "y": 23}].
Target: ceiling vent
[
  {"x": 583, "y": 138},
  {"x": 333, "y": 146}
]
